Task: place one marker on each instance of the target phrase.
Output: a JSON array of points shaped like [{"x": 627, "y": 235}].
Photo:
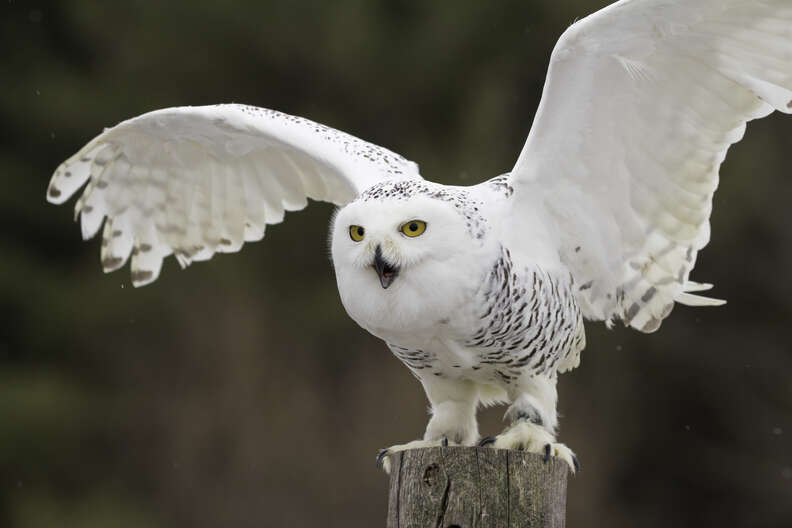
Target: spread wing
[
  {"x": 641, "y": 102},
  {"x": 193, "y": 181}
]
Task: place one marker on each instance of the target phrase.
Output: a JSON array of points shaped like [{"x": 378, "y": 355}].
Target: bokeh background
[{"x": 237, "y": 392}]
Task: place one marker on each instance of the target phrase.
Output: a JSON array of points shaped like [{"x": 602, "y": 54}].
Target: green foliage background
[{"x": 237, "y": 392}]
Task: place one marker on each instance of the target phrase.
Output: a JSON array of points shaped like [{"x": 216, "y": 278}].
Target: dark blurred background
[{"x": 237, "y": 392}]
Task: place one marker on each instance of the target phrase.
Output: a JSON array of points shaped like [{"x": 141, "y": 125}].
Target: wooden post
[{"x": 475, "y": 487}]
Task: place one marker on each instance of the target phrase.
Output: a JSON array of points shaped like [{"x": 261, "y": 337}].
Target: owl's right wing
[{"x": 194, "y": 181}]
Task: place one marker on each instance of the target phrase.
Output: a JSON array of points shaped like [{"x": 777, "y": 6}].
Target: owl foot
[
  {"x": 383, "y": 457},
  {"x": 527, "y": 436}
]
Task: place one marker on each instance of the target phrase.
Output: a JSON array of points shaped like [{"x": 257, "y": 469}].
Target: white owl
[{"x": 480, "y": 291}]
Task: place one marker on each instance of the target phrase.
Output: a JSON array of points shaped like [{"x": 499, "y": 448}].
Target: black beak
[{"x": 386, "y": 273}]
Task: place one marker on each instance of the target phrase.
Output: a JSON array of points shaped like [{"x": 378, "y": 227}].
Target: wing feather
[
  {"x": 193, "y": 181},
  {"x": 117, "y": 242}
]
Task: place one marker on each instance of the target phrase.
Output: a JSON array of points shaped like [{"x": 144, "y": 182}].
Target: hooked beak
[{"x": 386, "y": 273}]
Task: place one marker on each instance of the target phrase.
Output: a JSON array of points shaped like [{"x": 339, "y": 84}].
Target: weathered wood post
[{"x": 476, "y": 487}]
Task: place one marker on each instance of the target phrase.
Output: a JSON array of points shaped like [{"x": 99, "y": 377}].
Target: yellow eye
[
  {"x": 357, "y": 233},
  {"x": 414, "y": 228}
]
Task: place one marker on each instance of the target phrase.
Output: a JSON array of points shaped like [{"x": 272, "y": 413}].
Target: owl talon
[
  {"x": 381, "y": 456},
  {"x": 525, "y": 435}
]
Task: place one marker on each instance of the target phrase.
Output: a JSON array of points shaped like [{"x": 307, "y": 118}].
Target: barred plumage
[{"x": 530, "y": 321}]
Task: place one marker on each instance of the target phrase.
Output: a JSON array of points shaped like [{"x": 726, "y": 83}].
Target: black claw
[
  {"x": 577, "y": 463},
  {"x": 445, "y": 442},
  {"x": 547, "y": 450},
  {"x": 487, "y": 441},
  {"x": 381, "y": 457}
]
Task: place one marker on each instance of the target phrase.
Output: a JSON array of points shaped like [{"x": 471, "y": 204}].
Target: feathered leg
[{"x": 453, "y": 421}]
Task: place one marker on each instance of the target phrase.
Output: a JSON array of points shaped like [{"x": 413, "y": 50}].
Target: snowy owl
[{"x": 480, "y": 291}]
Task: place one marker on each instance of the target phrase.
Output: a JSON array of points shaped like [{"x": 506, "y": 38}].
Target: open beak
[{"x": 386, "y": 272}]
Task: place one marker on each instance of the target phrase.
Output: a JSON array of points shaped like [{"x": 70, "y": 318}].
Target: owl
[{"x": 481, "y": 291}]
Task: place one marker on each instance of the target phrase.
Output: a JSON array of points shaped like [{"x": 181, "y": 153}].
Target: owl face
[
  {"x": 386, "y": 239},
  {"x": 394, "y": 257}
]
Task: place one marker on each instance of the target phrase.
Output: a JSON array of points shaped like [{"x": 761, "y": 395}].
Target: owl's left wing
[
  {"x": 193, "y": 181},
  {"x": 641, "y": 102}
]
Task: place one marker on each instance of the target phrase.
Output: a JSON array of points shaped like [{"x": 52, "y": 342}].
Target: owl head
[{"x": 401, "y": 247}]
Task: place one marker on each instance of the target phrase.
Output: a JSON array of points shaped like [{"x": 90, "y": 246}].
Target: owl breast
[
  {"x": 520, "y": 320},
  {"x": 427, "y": 301}
]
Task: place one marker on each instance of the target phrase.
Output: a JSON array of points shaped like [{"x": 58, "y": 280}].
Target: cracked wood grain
[{"x": 473, "y": 487}]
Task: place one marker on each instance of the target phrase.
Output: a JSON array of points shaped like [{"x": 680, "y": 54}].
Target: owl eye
[
  {"x": 357, "y": 233},
  {"x": 413, "y": 228}
]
